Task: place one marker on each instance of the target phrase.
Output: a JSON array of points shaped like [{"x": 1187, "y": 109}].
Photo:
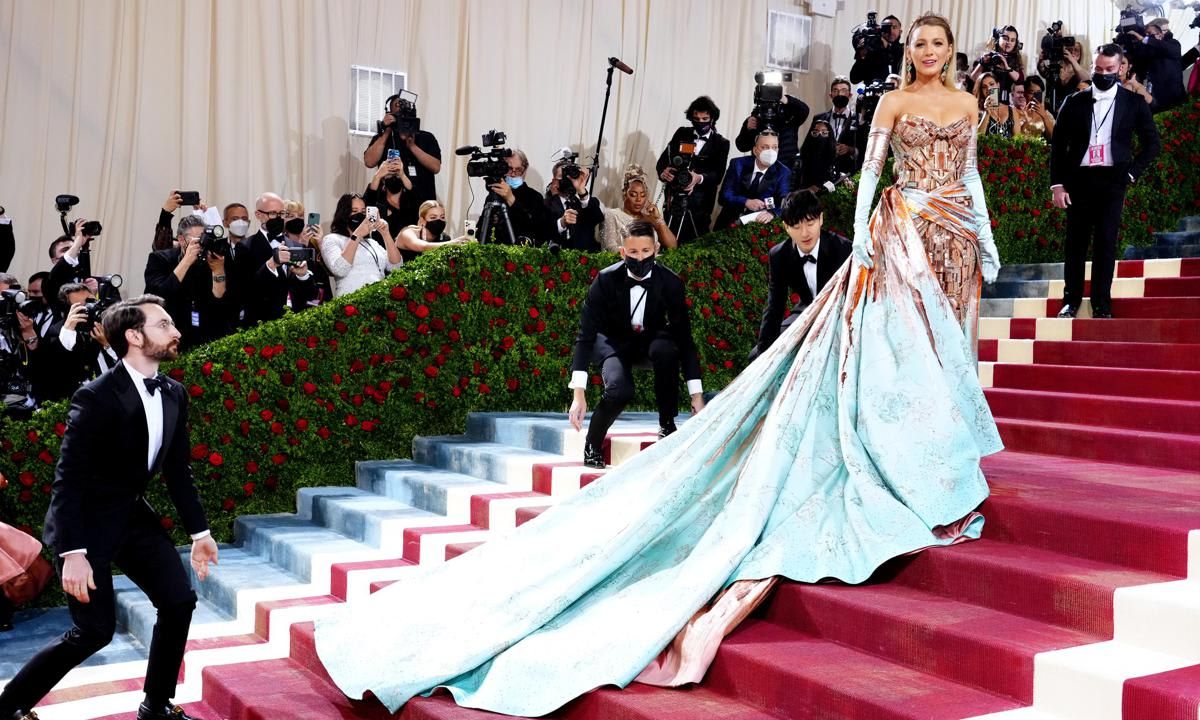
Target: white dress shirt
[
  {"x": 153, "y": 405},
  {"x": 637, "y": 318},
  {"x": 810, "y": 269}
]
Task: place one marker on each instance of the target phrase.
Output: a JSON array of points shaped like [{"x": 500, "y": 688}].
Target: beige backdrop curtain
[{"x": 118, "y": 101}]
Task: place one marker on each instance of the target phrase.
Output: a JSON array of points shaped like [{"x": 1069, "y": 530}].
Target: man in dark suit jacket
[
  {"x": 843, "y": 124},
  {"x": 635, "y": 312},
  {"x": 755, "y": 183},
  {"x": 526, "y": 206},
  {"x": 1091, "y": 164},
  {"x": 266, "y": 280},
  {"x": 688, "y": 216},
  {"x": 800, "y": 267},
  {"x": 573, "y": 215},
  {"x": 197, "y": 293},
  {"x": 122, "y": 430}
]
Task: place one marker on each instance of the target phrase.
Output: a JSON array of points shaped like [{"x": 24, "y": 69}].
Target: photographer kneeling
[{"x": 193, "y": 281}]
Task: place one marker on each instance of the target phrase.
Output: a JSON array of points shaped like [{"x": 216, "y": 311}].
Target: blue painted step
[
  {"x": 1017, "y": 289},
  {"x": 544, "y": 431},
  {"x": 34, "y": 629},
  {"x": 1158, "y": 252}
]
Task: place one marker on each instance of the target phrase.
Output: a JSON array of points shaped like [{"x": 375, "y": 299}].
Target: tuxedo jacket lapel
[
  {"x": 170, "y": 418},
  {"x": 131, "y": 403}
]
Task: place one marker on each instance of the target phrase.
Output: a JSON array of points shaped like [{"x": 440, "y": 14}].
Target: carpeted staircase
[{"x": 1082, "y": 602}]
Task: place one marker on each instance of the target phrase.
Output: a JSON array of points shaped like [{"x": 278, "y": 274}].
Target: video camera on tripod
[
  {"x": 491, "y": 165},
  {"x": 1053, "y": 44},
  {"x": 675, "y": 189},
  {"x": 768, "y": 98}
]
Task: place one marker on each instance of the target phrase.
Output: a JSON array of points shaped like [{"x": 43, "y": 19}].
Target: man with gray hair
[
  {"x": 526, "y": 207},
  {"x": 194, "y": 285}
]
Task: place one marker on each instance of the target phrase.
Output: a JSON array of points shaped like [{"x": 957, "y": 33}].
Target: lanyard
[{"x": 1096, "y": 127}]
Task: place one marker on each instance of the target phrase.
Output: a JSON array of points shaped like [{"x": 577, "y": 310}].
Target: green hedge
[{"x": 295, "y": 402}]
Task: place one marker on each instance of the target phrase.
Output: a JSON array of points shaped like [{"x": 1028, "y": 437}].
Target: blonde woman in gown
[{"x": 854, "y": 439}]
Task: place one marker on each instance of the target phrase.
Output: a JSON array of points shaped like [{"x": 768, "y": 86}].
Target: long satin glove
[
  {"x": 873, "y": 159},
  {"x": 989, "y": 257}
]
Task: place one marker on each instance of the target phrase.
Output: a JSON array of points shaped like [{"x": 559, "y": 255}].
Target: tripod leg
[{"x": 507, "y": 223}]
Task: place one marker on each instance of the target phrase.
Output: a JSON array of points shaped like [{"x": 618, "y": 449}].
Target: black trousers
[
  {"x": 1094, "y": 217},
  {"x": 617, "y": 373},
  {"x": 148, "y": 557}
]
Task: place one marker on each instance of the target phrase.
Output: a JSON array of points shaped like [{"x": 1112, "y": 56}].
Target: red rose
[
  {"x": 216, "y": 459},
  {"x": 301, "y": 424},
  {"x": 253, "y": 397},
  {"x": 533, "y": 313},
  {"x": 278, "y": 458},
  {"x": 248, "y": 488},
  {"x": 324, "y": 433},
  {"x": 464, "y": 296},
  {"x": 227, "y": 505},
  {"x": 399, "y": 293},
  {"x": 267, "y": 351},
  {"x": 309, "y": 388},
  {"x": 301, "y": 364},
  {"x": 206, "y": 368},
  {"x": 583, "y": 260},
  {"x": 565, "y": 276},
  {"x": 350, "y": 310},
  {"x": 32, "y": 435},
  {"x": 166, "y": 522},
  {"x": 513, "y": 384},
  {"x": 26, "y": 478},
  {"x": 339, "y": 326},
  {"x": 199, "y": 451},
  {"x": 60, "y": 429},
  {"x": 484, "y": 389},
  {"x": 400, "y": 334},
  {"x": 176, "y": 374},
  {"x": 277, "y": 427},
  {"x": 226, "y": 376},
  {"x": 431, "y": 371},
  {"x": 351, "y": 420},
  {"x": 368, "y": 426},
  {"x": 251, "y": 467},
  {"x": 421, "y": 311},
  {"x": 46, "y": 457}
]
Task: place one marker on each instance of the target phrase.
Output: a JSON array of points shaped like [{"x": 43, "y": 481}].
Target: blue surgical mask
[{"x": 514, "y": 182}]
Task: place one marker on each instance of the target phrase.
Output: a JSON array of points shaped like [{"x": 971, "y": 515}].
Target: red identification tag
[{"x": 1095, "y": 155}]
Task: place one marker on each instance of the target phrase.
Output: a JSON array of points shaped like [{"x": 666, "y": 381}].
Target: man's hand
[
  {"x": 98, "y": 334},
  {"x": 697, "y": 178},
  {"x": 77, "y": 577},
  {"x": 92, "y": 284},
  {"x": 408, "y": 139},
  {"x": 697, "y": 402},
  {"x": 204, "y": 551},
  {"x": 570, "y": 217},
  {"x": 24, "y": 322},
  {"x": 191, "y": 252},
  {"x": 578, "y": 409},
  {"x": 216, "y": 263},
  {"x": 300, "y": 269},
  {"x": 77, "y": 314},
  {"x": 764, "y": 217},
  {"x": 753, "y": 204},
  {"x": 504, "y": 191},
  {"x": 173, "y": 201},
  {"x": 668, "y": 174},
  {"x": 1062, "y": 199},
  {"x": 580, "y": 182},
  {"x": 388, "y": 119},
  {"x": 752, "y": 122},
  {"x": 844, "y": 149}
]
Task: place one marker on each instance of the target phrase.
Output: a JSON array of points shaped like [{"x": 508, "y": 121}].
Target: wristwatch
[{"x": 218, "y": 278}]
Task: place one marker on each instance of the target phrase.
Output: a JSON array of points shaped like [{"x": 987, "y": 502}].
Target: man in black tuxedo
[
  {"x": 635, "y": 313},
  {"x": 689, "y": 213},
  {"x": 801, "y": 266},
  {"x": 843, "y": 125},
  {"x": 1091, "y": 164},
  {"x": 196, "y": 292},
  {"x": 123, "y": 429},
  {"x": 264, "y": 269}
]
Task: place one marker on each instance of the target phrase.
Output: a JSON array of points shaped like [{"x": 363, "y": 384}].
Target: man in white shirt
[
  {"x": 1091, "y": 165},
  {"x": 123, "y": 429},
  {"x": 635, "y": 313}
]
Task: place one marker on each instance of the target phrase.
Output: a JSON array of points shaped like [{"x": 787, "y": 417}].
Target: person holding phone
[
  {"x": 391, "y": 190},
  {"x": 995, "y": 116},
  {"x": 302, "y": 233},
  {"x": 359, "y": 249}
]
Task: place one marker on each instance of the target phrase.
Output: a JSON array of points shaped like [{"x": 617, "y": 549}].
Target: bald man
[{"x": 264, "y": 269}]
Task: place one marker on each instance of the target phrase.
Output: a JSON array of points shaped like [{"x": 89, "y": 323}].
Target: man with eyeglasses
[
  {"x": 526, "y": 207},
  {"x": 264, "y": 269}
]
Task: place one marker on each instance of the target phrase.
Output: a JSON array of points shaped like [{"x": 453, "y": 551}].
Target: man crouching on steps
[{"x": 634, "y": 314}]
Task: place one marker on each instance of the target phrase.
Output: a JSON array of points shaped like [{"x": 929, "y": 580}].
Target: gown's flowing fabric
[{"x": 854, "y": 439}]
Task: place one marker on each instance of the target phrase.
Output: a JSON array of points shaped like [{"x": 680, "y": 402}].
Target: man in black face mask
[
  {"x": 843, "y": 125},
  {"x": 1091, "y": 164},
  {"x": 709, "y": 157},
  {"x": 635, "y": 312}
]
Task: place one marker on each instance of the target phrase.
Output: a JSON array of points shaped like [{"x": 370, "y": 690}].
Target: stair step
[
  {"x": 1118, "y": 382},
  {"x": 433, "y": 490},
  {"x": 800, "y": 676},
  {"x": 1170, "y": 695},
  {"x": 1167, "y": 251},
  {"x": 1155, "y": 415},
  {"x": 1150, "y": 356},
  {"x": 484, "y": 460},
  {"x": 978, "y": 646},
  {"x": 1088, "y": 329},
  {"x": 1139, "y": 447}
]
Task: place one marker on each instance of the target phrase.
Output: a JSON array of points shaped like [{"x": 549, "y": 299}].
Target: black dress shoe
[
  {"x": 1068, "y": 311},
  {"x": 22, "y": 715},
  {"x": 1102, "y": 312},
  {"x": 167, "y": 712},
  {"x": 665, "y": 430},
  {"x": 592, "y": 457}
]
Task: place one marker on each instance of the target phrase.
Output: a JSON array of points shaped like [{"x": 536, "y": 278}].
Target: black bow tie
[
  {"x": 807, "y": 259},
  {"x": 644, "y": 283},
  {"x": 157, "y": 382}
]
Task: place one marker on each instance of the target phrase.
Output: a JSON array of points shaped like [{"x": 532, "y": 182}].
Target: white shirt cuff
[
  {"x": 67, "y": 338},
  {"x": 561, "y": 227},
  {"x": 305, "y": 276},
  {"x": 201, "y": 535},
  {"x": 72, "y": 261},
  {"x": 578, "y": 380},
  {"x": 80, "y": 551},
  {"x": 1056, "y": 186},
  {"x": 695, "y": 387},
  {"x": 1131, "y": 178}
]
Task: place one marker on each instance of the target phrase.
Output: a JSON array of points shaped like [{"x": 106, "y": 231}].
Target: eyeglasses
[
  {"x": 516, "y": 172},
  {"x": 161, "y": 325},
  {"x": 272, "y": 215}
]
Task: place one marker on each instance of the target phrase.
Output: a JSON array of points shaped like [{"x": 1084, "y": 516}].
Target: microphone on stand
[{"x": 620, "y": 66}]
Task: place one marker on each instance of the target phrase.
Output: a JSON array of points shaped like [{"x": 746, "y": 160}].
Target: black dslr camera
[
  {"x": 868, "y": 37},
  {"x": 213, "y": 241},
  {"x": 676, "y": 188},
  {"x": 491, "y": 165},
  {"x": 109, "y": 295},
  {"x": 1053, "y": 43},
  {"x": 768, "y": 98},
  {"x": 406, "y": 120}
]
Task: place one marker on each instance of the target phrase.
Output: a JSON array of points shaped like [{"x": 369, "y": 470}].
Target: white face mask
[
  {"x": 239, "y": 227},
  {"x": 768, "y": 157}
]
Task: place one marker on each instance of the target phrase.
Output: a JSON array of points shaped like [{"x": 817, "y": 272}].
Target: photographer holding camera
[
  {"x": 1159, "y": 61},
  {"x": 1003, "y": 58},
  {"x": 1060, "y": 62},
  {"x": 264, "y": 274},
  {"x": 418, "y": 150},
  {"x": 526, "y": 206},
  {"x": 194, "y": 283},
  {"x": 74, "y": 349},
  {"x": 691, "y": 166},
  {"x": 75, "y": 264},
  {"x": 843, "y": 126},
  {"x": 878, "y": 51},
  {"x": 575, "y": 215}
]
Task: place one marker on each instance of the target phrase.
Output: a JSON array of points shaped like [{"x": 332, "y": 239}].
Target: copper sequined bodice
[{"x": 928, "y": 155}]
